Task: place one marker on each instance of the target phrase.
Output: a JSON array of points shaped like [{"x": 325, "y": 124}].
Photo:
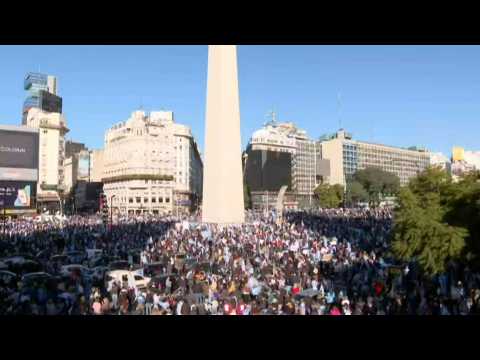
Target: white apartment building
[
  {"x": 440, "y": 160},
  {"x": 52, "y": 129},
  {"x": 473, "y": 158},
  {"x": 286, "y": 137},
  {"x": 151, "y": 165},
  {"x": 347, "y": 156}
]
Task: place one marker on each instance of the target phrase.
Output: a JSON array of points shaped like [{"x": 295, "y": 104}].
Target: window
[
  {"x": 154, "y": 200},
  {"x": 130, "y": 200},
  {"x": 138, "y": 200},
  {"x": 138, "y": 278},
  {"x": 167, "y": 200},
  {"x": 160, "y": 199},
  {"x": 145, "y": 200}
]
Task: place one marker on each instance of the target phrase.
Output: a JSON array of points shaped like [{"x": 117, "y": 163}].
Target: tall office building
[
  {"x": 281, "y": 154},
  {"x": 51, "y": 181},
  {"x": 42, "y": 109},
  {"x": 346, "y": 156},
  {"x": 42, "y": 94},
  {"x": 151, "y": 165}
]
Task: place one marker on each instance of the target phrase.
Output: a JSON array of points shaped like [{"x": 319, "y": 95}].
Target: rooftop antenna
[
  {"x": 339, "y": 109},
  {"x": 273, "y": 117}
]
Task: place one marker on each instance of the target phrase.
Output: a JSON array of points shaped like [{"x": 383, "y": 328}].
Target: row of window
[{"x": 153, "y": 200}]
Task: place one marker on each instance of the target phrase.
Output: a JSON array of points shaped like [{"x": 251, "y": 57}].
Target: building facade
[
  {"x": 285, "y": 138},
  {"x": 151, "y": 165},
  {"x": 51, "y": 181},
  {"x": 464, "y": 162},
  {"x": 346, "y": 156},
  {"x": 18, "y": 170},
  {"x": 96, "y": 165},
  {"x": 72, "y": 147},
  {"x": 440, "y": 160},
  {"x": 42, "y": 94}
]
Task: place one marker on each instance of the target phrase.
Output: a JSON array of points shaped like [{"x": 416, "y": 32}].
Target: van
[{"x": 133, "y": 279}]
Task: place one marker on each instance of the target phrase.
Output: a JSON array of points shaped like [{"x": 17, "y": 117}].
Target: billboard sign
[
  {"x": 18, "y": 154},
  {"x": 17, "y": 194},
  {"x": 50, "y": 102}
]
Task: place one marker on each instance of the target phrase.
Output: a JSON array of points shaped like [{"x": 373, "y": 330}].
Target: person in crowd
[{"x": 323, "y": 262}]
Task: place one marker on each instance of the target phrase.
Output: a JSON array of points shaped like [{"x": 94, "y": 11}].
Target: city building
[
  {"x": 42, "y": 94},
  {"x": 51, "y": 181},
  {"x": 347, "y": 156},
  {"x": 473, "y": 158},
  {"x": 18, "y": 170},
  {"x": 76, "y": 168},
  {"x": 87, "y": 197},
  {"x": 151, "y": 165},
  {"x": 440, "y": 160},
  {"x": 281, "y": 154},
  {"x": 464, "y": 162},
  {"x": 72, "y": 147},
  {"x": 96, "y": 165}
]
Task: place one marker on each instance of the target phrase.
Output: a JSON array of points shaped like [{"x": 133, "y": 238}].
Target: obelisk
[{"x": 222, "y": 172}]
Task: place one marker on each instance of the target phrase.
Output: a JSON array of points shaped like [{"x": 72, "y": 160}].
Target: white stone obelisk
[{"x": 222, "y": 172}]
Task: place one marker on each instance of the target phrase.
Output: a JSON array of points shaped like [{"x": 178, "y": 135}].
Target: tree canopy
[
  {"x": 377, "y": 183},
  {"x": 329, "y": 196},
  {"x": 356, "y": 193},
  {"x": 437, "y": 220}
]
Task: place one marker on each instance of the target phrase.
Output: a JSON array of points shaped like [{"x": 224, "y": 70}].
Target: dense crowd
[{"x": 327, "y": 262}]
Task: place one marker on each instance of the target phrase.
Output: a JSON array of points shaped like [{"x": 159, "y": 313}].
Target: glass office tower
[{"x": 42, "y": 91}]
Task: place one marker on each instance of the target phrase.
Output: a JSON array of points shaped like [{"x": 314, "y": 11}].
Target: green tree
[
  {"x": 462, "y": 203},
  {"x": 377, "y": 183},
  {"x": 356, "y": 193},
  {"x": 329, "y": 196},
  {"x": 421, "y": 234}
]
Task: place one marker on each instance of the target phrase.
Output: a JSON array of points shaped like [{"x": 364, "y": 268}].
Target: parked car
[
  {"x": 133, "y": 279},
  {"x": 8, "y": 277},
  {"x": 99, "y": 261},
  {"x": 76, "y": 257},
  {"x": 79, "y": 270},
  {"x": 154, "y": 269},
  {"x": 19, "y": 265},
  {"x": 36, "y": 277},
  {"x": 119, "y": 265},
  {"x": 60, "y": 259}
]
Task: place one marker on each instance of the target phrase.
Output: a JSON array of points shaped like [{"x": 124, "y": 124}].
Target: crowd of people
[{"x": 326, "y": 262}]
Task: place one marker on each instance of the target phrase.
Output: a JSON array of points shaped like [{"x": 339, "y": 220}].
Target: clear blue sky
[{"x": 396, "y": 95}]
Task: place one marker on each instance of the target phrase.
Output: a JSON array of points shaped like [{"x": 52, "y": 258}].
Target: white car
[
  {"x": 133, "y": 279},
  {"x": 68, "y": 270}
]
